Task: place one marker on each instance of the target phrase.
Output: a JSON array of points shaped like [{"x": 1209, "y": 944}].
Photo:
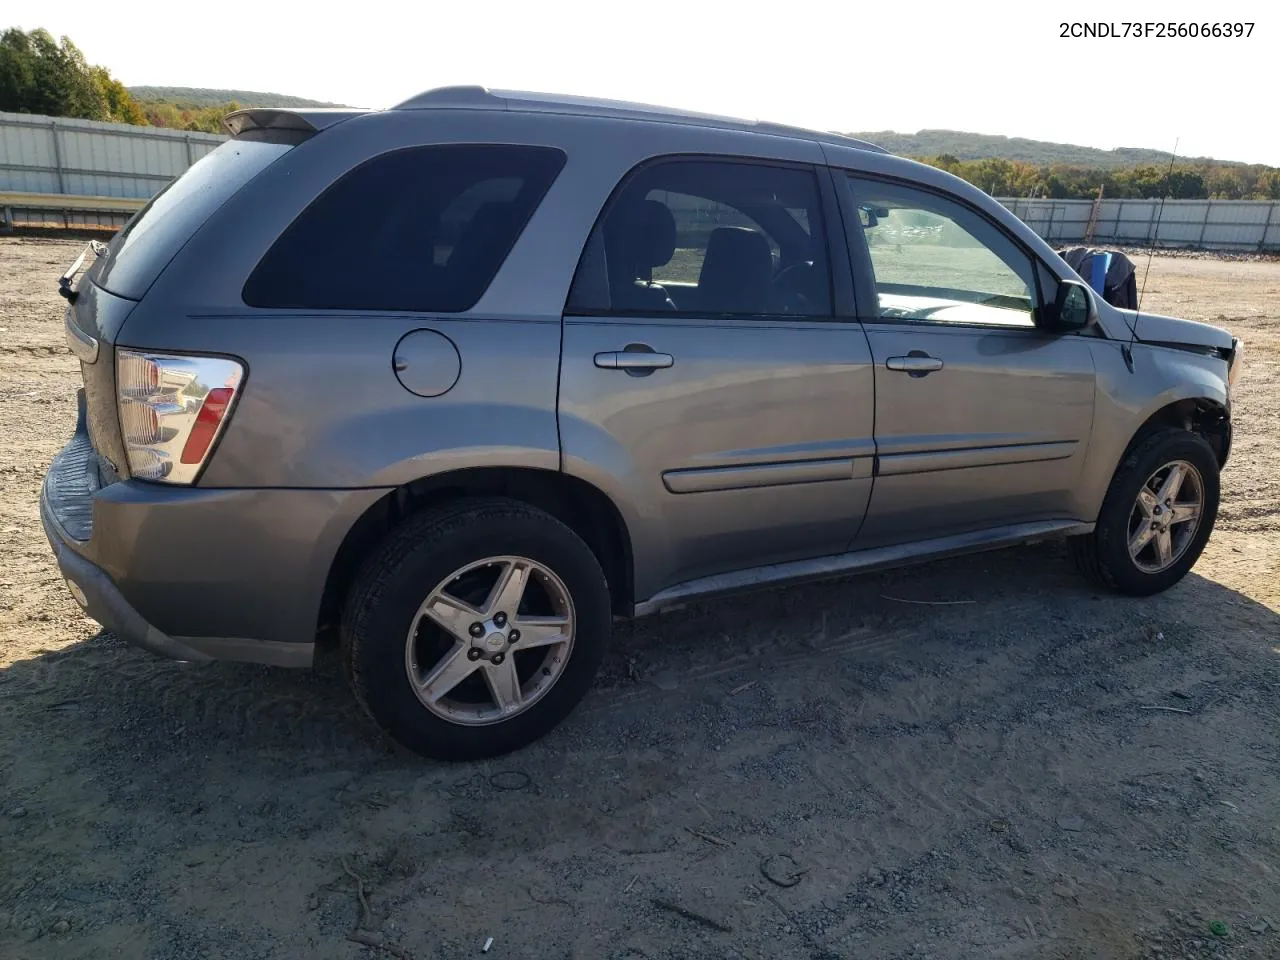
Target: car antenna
[{"x": 1127, "y": 350}]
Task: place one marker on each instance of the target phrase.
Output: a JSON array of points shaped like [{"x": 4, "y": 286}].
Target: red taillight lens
[{"x": 206, "y": 426}]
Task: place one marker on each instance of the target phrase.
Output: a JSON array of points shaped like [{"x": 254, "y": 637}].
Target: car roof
[{"x": 482, "y": 98}]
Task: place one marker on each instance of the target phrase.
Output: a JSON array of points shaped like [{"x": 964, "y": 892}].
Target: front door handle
[
  {"x": 916, "y": 363},
  {"x": 634, "y": 360}
]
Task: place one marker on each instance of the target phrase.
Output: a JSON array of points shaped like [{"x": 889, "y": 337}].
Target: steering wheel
[{"x": 795, "y": 281}]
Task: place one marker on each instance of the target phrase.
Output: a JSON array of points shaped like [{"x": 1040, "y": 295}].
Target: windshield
[{"x": 149, "y": 241}]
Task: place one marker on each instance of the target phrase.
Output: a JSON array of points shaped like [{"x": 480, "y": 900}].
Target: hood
[{"x": 1155, "y": 329}]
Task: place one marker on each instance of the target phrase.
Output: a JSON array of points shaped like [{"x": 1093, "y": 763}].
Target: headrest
[
  {"x": 733, "y": 252},
  {"x": 641, "y": 235}
]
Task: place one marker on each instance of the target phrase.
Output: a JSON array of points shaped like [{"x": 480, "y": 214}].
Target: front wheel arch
[{"x": 1207, "y": 417}]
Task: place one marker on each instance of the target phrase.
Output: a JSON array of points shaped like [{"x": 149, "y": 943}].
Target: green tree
[
  {"x": 40, "y": 75},
  {"x": 43, "y": 76},
  {"x": 1225, "y": 184},
  {"x": 176, "y": 117},
  {"x": 1187, "y": 185},
  {"x": 121, "y": 107}
]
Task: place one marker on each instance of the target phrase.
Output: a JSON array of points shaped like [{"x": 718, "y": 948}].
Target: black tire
[
  {"x": 398, "y": 577},
  {"x": 1103, "y": 556}
]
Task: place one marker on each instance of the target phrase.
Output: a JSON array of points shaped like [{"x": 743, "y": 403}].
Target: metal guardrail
[
  {"x": 46, "y": 210},
  {"x": 1226, "y": 225},
  {"x": 57, "y": 172}
]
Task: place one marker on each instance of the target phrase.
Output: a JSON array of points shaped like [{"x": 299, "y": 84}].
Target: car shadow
[
  {"x": 163, "y": 795},
  {"x": 105, "y": 689}
]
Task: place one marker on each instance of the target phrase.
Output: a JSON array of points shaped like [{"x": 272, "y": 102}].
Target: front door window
[{"x": 936, "y": 261}]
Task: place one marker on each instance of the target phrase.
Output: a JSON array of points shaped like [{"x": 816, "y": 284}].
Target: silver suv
[{"x": 456, "y": 383}]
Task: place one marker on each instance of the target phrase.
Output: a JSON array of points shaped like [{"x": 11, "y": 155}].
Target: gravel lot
[{"x": 1020, "y": 767}]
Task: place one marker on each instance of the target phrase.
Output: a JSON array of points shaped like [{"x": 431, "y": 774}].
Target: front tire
[
  {"x": 475, "y": 628},
  {"x": 1156, "y": 517}
]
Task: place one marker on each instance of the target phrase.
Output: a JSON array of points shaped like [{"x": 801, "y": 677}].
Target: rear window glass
[
  {"x": 420, "y": 229},
  {"x": 158, "y": 231}
]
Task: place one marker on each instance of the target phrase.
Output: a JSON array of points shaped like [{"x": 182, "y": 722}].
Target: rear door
[
  {"x": 982, "y": 418},
  {"x": 706, "y": 378}
]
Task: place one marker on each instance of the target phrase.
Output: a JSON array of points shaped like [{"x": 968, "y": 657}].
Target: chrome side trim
[
  {"x": 878, "y": 558},
  {"x": 82, "y": 346},
  {"x": 928, "y": 461},
  {"x": 704, "y": 480}
]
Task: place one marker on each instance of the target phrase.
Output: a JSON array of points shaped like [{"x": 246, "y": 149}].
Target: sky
[{"x": 995, "y": 67}]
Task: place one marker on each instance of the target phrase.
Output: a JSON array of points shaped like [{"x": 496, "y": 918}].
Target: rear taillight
[{"x": 172, "y": 409}]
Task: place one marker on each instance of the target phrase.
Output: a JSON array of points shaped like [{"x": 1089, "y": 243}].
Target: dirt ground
[{"x": 1014, "y": 765}]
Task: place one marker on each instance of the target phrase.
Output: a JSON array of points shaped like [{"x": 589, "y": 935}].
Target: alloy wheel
[
  {"x": 1165, "y": 516},
  {"x": 490, "y": 640}
]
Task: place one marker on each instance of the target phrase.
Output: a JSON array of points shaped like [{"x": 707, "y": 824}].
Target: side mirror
[{"x": 1072, "y": 308}]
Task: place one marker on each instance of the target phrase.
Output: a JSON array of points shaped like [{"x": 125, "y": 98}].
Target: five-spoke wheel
[
  {"x": 1156, "y": 517},
  {"x": 475, "y": 628},
  {"x": 1165, "y": 516},
  {"x": 490, "y": 640}
]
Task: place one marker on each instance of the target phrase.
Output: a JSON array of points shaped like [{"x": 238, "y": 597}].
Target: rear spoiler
[{"x": 283, "y": 126}]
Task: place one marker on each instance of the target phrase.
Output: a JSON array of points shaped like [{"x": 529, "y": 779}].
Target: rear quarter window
[
  {"x": 419, "y": 229},
  {"x": 159, "y": 230}
]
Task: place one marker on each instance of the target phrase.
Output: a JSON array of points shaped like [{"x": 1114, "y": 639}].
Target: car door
[
  {"x": 706, "y": 383},
  {"x": 982, "y": 418}
]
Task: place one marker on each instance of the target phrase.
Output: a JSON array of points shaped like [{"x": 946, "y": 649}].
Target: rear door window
[
  {"x": 420, "y": 229},
  {"x": 709, "y": 238}
]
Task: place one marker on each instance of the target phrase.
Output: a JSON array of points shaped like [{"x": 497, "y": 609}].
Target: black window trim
[
  {"x": 839, "y": 271},
  {"x": 868, "y": 310},
  {"x": 381, "y": 311}
]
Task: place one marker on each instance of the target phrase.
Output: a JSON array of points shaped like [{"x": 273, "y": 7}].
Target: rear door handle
[
  {"x": 633, "y": 360},
  {"x": 917, "y": 364}
]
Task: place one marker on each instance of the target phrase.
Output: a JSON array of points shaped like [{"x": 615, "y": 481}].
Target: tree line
[
  {"x": 41, "y": 75},
  {"x": 1194, "y": 181}
]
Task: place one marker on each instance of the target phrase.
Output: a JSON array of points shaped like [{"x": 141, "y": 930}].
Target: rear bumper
[
  {"x": 198, "y": 574},
  {"x": 103, "y": 601}
]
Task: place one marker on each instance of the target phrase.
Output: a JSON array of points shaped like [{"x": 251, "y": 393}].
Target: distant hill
[
  {"x": 979, "y": 146},
  {"x": 198, "y": 97}
]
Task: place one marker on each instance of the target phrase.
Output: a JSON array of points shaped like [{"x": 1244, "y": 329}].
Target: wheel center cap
[{"x": 495, "y": 641}]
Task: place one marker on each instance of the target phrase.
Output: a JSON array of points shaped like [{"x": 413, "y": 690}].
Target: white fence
[
  {"x": 105, "y": 170},
  {"x": 1204, "y": 224},
  {"x": 80, "y": 173}
]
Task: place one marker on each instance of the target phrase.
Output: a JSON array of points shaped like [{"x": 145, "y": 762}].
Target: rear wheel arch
[{"x": 582, "y": 507}]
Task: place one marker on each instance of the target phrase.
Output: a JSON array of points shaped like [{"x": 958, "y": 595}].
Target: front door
[
  {"x": 982, "y": 419},
  {"x": 705, "y": 384}
]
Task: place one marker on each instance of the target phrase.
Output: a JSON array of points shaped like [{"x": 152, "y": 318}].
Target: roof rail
[
  {"x": 482, "y": 98},
  {"x": 459, "y": 96}
]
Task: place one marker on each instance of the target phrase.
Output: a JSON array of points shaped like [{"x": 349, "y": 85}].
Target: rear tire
[
  {"x": 475, "y": 628},
  {"x": 1116, "y": 555}
]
